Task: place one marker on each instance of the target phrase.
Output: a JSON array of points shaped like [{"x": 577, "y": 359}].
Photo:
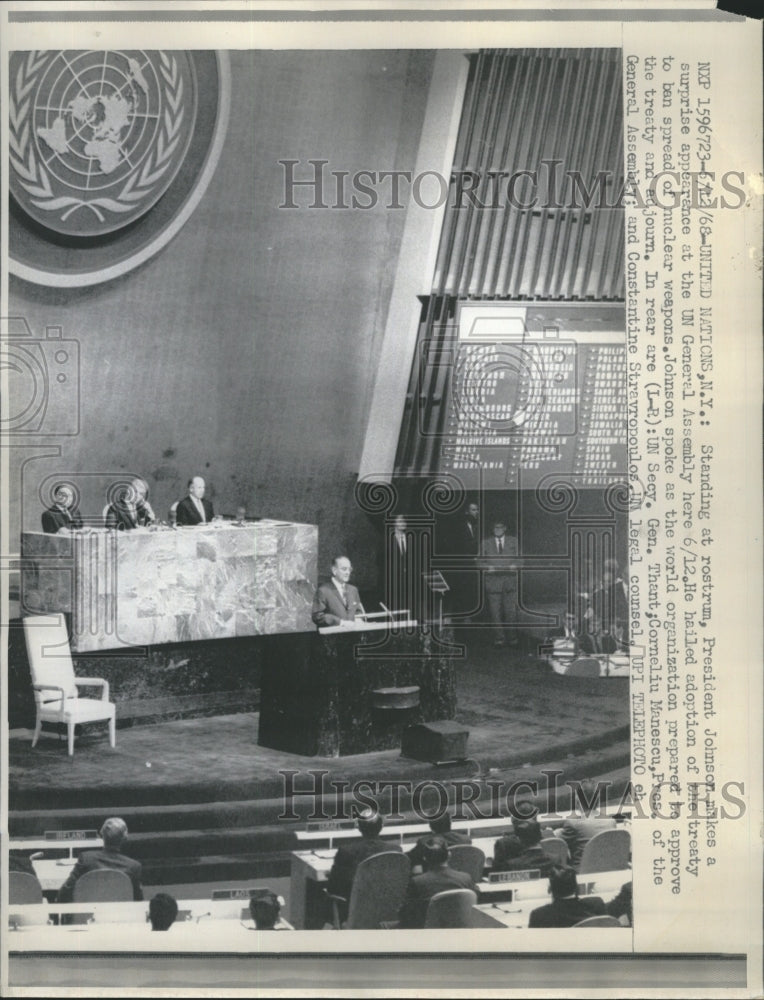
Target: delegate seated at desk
[
  {"x": 63, "y": 513},
  {"x": 436, "y": 878},
  {"x": 337, "y": 600},
  {"x": 566, "y": 908},
  {"x": 131, "y": 508},
  {"x": 114, "y": 834},
  {"x": 522, "y": 850},
  {"x": 352, "y": 852},
  {"x": 194, "y": 509}
]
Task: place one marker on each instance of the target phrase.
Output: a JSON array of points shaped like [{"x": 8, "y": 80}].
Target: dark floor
[{"x": 517, "y": 711}]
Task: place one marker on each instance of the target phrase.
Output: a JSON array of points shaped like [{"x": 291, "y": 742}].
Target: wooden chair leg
[
  {"x": 37, "y": 728},
  {"x": 112, "y": 732},
  {"x": 70, "y": 737}
]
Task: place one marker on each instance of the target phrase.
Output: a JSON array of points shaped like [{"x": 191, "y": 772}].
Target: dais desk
[{"x": 169, "y": 585}]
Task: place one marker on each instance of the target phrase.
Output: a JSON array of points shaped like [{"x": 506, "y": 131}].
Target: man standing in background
[{"x": 498, "y": 554}]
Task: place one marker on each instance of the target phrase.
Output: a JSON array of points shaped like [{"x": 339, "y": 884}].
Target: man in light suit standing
[
  {"x": 194, "y": 509},
  {"x": 337, "y": 602},
  {"x": 498, "y": 554}
]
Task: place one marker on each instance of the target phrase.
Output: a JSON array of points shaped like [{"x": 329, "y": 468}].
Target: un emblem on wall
[
  {"x": 96, "y": 141},
  {"x": 96, "y": 138}
]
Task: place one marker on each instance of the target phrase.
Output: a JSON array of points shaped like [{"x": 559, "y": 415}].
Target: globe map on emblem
[{"x": 96, "y": 138}]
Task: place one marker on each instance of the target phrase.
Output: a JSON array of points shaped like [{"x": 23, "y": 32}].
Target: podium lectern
[{"x": 318, "y": 701}]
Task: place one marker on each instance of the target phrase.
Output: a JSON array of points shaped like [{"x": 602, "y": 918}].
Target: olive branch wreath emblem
[{"x": 33, "y": 177}]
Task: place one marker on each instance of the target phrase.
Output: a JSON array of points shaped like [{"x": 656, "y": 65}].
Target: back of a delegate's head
[
  {"x": 434, "y": 853},
  {"x": 441, "y": 824},
  {"x": 528, "y": 832},
  {"x": 511, "y": 846},
  {"x": 563, "y": 882},
  {"x": 113, "y": 832},
  {"x": 163, "y": 909},
  {"x": 369, "y": 822},
  {"x": 265, "y": 911}
]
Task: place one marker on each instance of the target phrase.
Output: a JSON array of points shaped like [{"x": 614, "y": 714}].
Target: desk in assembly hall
[
  {"x": 201, "y": 924},
  {"x": 337, "y": 692},
  {"x": 310, "y": 871},
  {"x": 173, "y": 585}
]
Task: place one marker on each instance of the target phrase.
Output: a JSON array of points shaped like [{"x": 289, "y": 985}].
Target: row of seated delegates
[
  {"x": 337, "y": 601},
  {"x": 110, "y": 856},
  {"x": 130, "y": 509},
  {"x": 431, "y": 852}
]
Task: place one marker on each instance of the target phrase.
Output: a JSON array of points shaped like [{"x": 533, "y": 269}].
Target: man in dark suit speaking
[
  {"x": 114, "y": 834},
  {"x": 194, "y": 509},
  {"x": 337, "y": 601}
]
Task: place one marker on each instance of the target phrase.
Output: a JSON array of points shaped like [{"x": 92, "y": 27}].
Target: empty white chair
[{"x": 55, "y": 684}]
